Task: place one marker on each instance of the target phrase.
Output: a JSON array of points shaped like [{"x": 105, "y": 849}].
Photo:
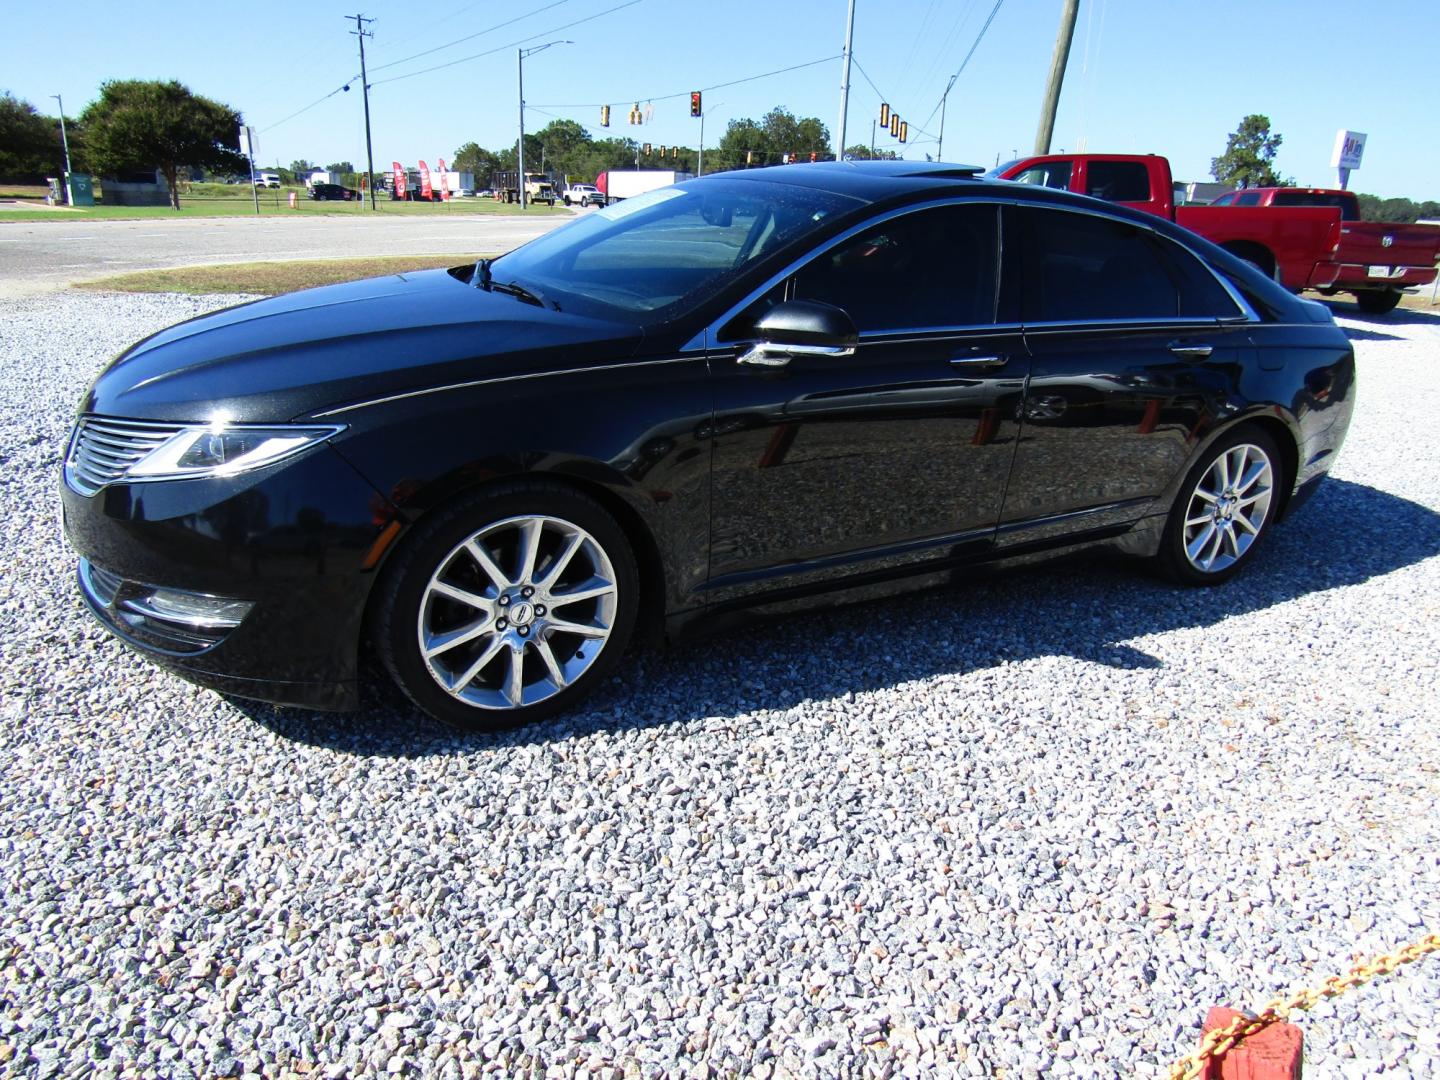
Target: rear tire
[
  {"x": 1378, "y": 301},
  {"x": 1223, "y": 509},
  {"x": 508, "y": 607}
]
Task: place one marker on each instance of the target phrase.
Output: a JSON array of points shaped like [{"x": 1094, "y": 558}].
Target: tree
[
  {"x": 137, "y": 124},
  {"x": 474, "y": 158},
  {"x": 340, "y": 167},
  {"x": 1249, "y": 155},
  {"x": 29, "y": 142},
  {"x": 864, "y": 153}
]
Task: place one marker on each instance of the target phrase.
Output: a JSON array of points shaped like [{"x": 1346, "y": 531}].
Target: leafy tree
[
  {"x": 864, "y": 153},
  {"x": 137, "y": 124},
  {"x": 1397, "y": 211},
  {"x": 1249, "y": 155},
  {"x": 29, "y": 142},
  {"x": 474, "y": 158},
  {"x": 340, "y": 167},
  {"x": 300, "y": 168},
  {"x": 767, "y": 141}
]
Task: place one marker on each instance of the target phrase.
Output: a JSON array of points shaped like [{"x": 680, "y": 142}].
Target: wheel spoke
[
  {"x": 1248, "y": 525},
  {"x": 561, "y": 561},
  {"x": 439, "y": 643},
  {"x": 529, "y": 548},
  {"x": 463, "y": 596},
  {"x": 486, "y": 563},
  {"x": 514, "y": 685},
  {"x": 581, "y": 629},
  {"x": 588, "y": 590},
  {"x": 1197, "y": 545},
  {"x": 1222, "y": 467},
  {"x": 1190, "y": 523},
  {"x": 1257, "y": 470},
  {"x": 1206, "y": 496},
  {"x": 1214, "y": 551},
  {"x": 496, "y": 644},
  {"x": 547, "y": 654}
]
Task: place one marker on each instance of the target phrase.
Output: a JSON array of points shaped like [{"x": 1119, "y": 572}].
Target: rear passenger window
[
  {"x": 1117, "y": 181},
  {"x": 1051, "y": 174},
  {"x": 1087, "y": 268},
  {"x": 928, "y": 270},
  {"x": 1247, "y": 198}
]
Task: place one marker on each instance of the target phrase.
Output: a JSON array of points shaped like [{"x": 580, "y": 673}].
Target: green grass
[
  {"x": 269, "y": 278},
  {"x": 237, "y": 202}
]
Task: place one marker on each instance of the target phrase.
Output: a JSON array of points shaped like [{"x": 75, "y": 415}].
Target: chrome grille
[{"x": 102, "y": 449}]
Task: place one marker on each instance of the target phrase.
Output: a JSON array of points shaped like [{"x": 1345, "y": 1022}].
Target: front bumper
[{"x": 292, "y": 541}]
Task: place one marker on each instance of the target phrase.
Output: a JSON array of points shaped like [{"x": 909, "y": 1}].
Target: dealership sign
[{"x": 1349, "y": 149}]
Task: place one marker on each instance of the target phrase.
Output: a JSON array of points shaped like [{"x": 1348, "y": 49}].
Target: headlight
[{"x": 225, "y": 449}]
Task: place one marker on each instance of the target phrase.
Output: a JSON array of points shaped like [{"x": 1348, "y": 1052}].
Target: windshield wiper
[
  {"x": 521, "y": 292},
  {"x": 480, "y": 276}
]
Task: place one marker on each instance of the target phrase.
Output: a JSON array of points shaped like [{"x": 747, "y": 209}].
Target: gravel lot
[{"x": 1036, "y": 826}]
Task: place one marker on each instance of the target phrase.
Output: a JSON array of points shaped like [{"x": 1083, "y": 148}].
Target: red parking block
[{"x": 1273, "y": 1053}]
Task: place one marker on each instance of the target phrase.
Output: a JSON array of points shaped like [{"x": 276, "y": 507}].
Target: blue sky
[{"x": 1144, "y": 75}]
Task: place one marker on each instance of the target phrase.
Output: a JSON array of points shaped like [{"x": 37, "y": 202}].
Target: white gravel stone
[{"x": 1040, "y": 823}]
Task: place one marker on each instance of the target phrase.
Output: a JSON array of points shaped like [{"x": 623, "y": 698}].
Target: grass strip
[{"x": 268, "y": 278}]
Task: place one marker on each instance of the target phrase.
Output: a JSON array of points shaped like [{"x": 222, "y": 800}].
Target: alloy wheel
[
  {"x": 516, "y": 612},
  {"x": 1228, "y": 507}
]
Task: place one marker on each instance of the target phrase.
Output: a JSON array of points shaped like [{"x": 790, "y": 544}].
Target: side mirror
[{"x": 801, "y": 328}]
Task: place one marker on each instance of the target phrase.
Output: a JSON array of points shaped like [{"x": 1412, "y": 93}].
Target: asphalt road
[{"x": 40, "y": 256}]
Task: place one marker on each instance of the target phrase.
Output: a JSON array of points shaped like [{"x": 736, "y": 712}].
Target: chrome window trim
[
  {"x": 702, "y": 341},
  {"x": 495, "y": 380}
]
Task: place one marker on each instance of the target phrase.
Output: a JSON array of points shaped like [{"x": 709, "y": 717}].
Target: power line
[
  {"x": 978, "y": 38},
  {"x": 509, "y": 45},
  {"x": 470, "y": 37},
  {"x": 343, "y": 86},
  {"x": 703, "y": 89},
  {"x": 882, "y": 97}
]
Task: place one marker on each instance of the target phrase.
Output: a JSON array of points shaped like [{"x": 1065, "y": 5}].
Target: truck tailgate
[{"x": 1364, "y": 243}]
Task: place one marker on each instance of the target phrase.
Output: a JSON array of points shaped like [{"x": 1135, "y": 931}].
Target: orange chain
[{"x": 1214, "y": 1044}]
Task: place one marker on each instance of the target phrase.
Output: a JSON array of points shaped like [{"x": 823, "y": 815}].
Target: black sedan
[{"x": 748, "y": 393}]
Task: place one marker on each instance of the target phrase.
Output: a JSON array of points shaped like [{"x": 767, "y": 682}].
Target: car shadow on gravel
[
  {"x": 1085, "y": 607},
  {"x": 1401, "y": 316}
]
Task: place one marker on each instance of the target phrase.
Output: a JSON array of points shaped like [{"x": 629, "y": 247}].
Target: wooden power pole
[{"x": 1057, "y": 76}]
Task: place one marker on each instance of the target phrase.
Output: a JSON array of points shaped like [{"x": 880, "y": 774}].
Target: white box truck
[{"x": 617, "y": 184}]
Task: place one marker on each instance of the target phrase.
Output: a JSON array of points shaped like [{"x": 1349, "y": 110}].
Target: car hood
[{"x": 295, "y": 355}]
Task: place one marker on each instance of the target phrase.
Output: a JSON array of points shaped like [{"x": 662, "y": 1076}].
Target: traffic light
[
  {"x": 604, "y": 115},
  {"x": 694, "y": 102},
  {"x": 662, "y": 153},
  {"x": 636, "y": 116},
  {"x": 674, "y": 151},
  {"x": 884, "y": 115},
  {"x": 895, "y": 124},
  {"x": 645, "y": 149},
  {"x": 904, "y": 130}
]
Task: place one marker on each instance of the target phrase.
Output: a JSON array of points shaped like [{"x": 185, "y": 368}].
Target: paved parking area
[
  {"x": 40, "y": 256},
  {"x": 1036, "y": 825}
]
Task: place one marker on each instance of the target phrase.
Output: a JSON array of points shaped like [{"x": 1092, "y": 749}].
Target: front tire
[
  {"x": 1223, "y": 509},
  {"x": 508, "y": 607},
  {"x": 1378, "y": 301}
]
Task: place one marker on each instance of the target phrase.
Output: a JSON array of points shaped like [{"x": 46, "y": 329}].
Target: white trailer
[{"x": 616, "y": 184}]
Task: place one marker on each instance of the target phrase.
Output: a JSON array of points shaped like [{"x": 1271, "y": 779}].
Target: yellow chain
[{"x": 1215, "y": 1044}]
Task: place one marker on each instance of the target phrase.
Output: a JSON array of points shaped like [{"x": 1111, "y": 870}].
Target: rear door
[{"x": 1129, "y": 361}]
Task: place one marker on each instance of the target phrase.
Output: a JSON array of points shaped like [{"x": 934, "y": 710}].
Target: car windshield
[{"x": 646, "y": 259}]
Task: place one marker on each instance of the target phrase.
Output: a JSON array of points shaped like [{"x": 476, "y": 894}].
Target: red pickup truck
[
  {"x": 1377, "y": 259},
  {"x": 1298, "y": 246}
]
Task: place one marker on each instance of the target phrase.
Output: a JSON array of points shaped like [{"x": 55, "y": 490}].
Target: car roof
[{"x": 867, "y": 180}]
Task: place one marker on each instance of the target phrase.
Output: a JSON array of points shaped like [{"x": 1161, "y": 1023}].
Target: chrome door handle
[
  {"x": 978, "y": 361},
  {"x": 770, "y": 354},
  {"x": 1190, "y": 352}
]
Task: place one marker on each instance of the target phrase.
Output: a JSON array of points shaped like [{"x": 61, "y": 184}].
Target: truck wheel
[{"x": 1378, "y": 301}]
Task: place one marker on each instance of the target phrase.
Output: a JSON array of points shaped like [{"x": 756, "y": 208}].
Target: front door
[{"x": 875, "y": 463}]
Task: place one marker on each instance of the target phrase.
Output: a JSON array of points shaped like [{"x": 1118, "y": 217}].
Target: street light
[
  {"x": 520, "y": 70},
  {"x": 65, "y": 142}
]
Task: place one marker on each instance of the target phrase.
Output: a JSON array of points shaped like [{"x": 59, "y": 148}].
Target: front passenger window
[{"x": 931, "y": 269}]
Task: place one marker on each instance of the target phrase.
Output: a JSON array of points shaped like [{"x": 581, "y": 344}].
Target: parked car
[
  {"x": 465, "y": 193},
  {"x": 752, "y": 392},
  {"x": 584, "y": 194},
  {"x": 1297, "y": 245},
  {"x": 323, "y": 192},
  {"x": 1378, "y": 259}
]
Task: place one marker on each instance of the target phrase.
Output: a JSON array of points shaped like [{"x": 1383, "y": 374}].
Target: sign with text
[
  {"x": 444, "y": 182},
  {"x": 1349, "y": 149},
  {"x": 401, "y": 180},
  {"x": 426, "y": 191}
]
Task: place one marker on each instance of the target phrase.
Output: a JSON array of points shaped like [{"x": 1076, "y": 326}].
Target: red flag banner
[
  {"x": 400, "y": 180},
  {"x": 444, "y": 182},
  {"x": 426, "y": 191}
]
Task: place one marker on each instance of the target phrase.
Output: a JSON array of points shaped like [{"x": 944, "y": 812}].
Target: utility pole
[
  {"x": 65, "y": 142},
  {"x": 845, "y": 84},
  {"x": 361, "y": 33},
  {"x": 1058, "y": 61},
  {"x": 520, "y": 55}
]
